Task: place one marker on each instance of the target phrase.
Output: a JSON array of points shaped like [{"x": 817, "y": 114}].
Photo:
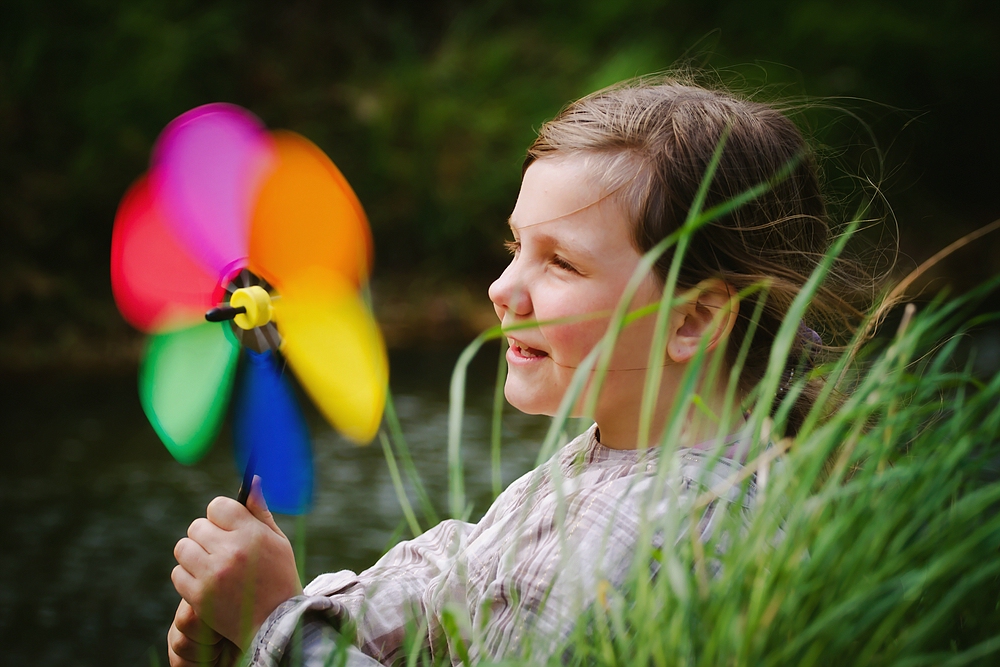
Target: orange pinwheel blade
[
  {"x": 307, "y": 217},
  {"x": 334, "y": 346}
]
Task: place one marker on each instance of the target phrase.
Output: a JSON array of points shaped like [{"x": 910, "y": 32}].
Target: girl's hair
[{"x": 651, "y": 140}]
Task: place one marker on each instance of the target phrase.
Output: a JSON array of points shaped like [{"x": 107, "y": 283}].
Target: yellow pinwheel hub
[{"x": 257, "y": 304}]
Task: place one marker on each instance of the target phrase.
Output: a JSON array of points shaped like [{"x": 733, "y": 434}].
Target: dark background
[{"x": 428, "y": 107}]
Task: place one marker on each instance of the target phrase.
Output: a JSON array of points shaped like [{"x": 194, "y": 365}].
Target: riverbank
[{"x": 419, "y": 312}]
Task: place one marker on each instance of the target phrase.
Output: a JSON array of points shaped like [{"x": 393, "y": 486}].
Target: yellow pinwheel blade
[
  {"x": 334, "y": 346},
  {"x": 307, "y": 217}
]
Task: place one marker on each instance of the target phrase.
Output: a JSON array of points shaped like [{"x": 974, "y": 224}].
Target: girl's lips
[{"x": 520, "y": 353}]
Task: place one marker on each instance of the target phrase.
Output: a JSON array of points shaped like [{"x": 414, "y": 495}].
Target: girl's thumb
[{"x": 258, "y": 506}]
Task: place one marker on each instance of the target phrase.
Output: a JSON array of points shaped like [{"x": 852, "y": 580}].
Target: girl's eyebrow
[
  {"x": 510, "y": 219},
  {"x": 577, "y": 251}
]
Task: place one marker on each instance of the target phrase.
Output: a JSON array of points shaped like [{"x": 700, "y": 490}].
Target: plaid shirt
[{"x": 527, "y": 570}]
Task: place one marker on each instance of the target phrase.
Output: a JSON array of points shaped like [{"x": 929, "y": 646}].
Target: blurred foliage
[{"x": 428, "y": 107}]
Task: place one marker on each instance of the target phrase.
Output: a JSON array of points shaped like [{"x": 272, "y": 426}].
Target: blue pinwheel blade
[{"x": 270, "y": 430}]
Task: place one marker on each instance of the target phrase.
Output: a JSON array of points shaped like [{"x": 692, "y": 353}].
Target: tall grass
[{"x": 875, "y": 538}]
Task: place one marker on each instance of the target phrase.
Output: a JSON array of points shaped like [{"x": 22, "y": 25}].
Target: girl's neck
[{"x": 619, "y": 425}]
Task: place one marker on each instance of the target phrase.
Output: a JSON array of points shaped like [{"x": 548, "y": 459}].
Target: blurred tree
[{"x": 428, "y": 108}]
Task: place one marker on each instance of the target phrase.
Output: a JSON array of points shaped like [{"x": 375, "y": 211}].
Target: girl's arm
[
  {"x": 374, "y": 609},
  {"x": 236, "y": 568}
]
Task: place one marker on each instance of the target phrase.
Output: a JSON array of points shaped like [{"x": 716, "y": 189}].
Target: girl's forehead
[{"x": 555, "y": 189}]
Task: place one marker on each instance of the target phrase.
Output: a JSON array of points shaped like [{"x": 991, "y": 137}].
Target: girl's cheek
[{"x": 570, "y": 343}]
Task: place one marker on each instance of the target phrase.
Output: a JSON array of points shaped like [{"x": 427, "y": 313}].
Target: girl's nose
[{"x": 508, "y": 293}]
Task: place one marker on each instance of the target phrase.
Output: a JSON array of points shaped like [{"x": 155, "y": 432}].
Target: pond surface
[{"x": 93, "y": 503}]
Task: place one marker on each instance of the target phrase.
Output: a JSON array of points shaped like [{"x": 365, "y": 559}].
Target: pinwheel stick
[{"x": 244, "y": 493}]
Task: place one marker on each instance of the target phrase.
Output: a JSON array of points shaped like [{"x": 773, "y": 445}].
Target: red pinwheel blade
[
  {"x": 156, "y": 284},
  {"x": 207, "y": 167},
  {"x": 270, "y": 431}
]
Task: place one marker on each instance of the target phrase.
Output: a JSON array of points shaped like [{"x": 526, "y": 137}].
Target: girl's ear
[{"x": 707, "y": 310}]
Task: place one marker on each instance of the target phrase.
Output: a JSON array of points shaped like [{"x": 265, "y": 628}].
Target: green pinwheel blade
[{"x": 184, "y": 385}]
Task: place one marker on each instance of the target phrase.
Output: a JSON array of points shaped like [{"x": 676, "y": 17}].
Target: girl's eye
[
  {"x": 512, "y": 246},
  {"x": 563, "y": 264}
]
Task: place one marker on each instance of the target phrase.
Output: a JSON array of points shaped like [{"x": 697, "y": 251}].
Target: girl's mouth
[{"x": 523, "y": 352}]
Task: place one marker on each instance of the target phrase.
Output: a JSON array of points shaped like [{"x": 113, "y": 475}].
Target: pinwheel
[{"x": 260, "y": 234}]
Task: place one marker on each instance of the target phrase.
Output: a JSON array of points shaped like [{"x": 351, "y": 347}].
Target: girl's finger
[
  {"x": 179, "y": 661},
  {"x": 227, "y": 513},
  {"x": 193, "y": 627},
  {"x": 192, "y": 556},
  {"x": 258, "y": 506},
  {"x": 187, "y": 586},
  {"x": 175, "y": 660},
  {"x": 186, "y": 648},
  {"x": 207, "y": 534}
]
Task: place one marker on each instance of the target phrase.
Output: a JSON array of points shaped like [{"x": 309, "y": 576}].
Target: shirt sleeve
[{"x": 378, "y": 605}]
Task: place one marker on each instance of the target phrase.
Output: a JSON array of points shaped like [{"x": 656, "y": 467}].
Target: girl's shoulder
[
  {"x": 568, "y": 459},
  {"x": 725, "y": 478}
]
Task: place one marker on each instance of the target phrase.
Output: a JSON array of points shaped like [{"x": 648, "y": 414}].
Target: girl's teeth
[{"x": 527, "y": 352}]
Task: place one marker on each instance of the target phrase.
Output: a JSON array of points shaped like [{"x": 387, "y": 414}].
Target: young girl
[{"x": 605, "y": 181}]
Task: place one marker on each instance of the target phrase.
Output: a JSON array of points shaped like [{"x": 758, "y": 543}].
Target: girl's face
[{"x": 573, "y": 257}]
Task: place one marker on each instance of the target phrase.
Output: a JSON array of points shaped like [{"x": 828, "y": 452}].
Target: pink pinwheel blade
[
  {"x": 207, "y": 167},
  {"x": 156, "y": 285}
]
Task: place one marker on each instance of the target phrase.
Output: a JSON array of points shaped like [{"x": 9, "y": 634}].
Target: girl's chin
[{"x": 530, "y": 402}]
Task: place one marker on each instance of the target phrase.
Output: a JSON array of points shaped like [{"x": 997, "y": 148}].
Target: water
[{"x": 93, "y": 504}]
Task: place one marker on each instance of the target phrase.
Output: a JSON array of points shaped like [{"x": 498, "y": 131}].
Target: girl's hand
[
  {"x": 190, "y": 642},
  {"x": 235, "y": 567}
]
